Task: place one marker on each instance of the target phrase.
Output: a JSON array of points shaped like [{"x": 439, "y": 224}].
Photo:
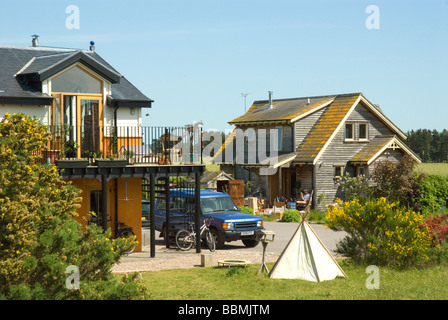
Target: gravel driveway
[{"x": 175, "y": 259}]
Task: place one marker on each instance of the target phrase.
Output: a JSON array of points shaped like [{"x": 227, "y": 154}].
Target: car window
[{"x": 217, "y": 204}]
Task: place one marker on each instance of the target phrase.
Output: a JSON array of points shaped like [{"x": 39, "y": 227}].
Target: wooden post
[
  {"x": 152, "y": 215},
  {"x": 197, "y": 211},
  {"x": 104, "y": 201}
]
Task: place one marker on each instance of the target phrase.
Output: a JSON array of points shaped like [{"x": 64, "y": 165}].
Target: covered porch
[{"x": 117, "y": 194}]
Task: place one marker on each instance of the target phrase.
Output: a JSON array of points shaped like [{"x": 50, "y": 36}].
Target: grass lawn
[
  {"x": 223, "y": 283},
  {"x": 440, "y": 169}
]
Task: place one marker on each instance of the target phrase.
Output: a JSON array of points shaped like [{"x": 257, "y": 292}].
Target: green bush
[
  {"x": 39, "y": 235},
  {"x": 317, "y": 216},
  {"x": 290, "y": 215},
  {"x": 433, "y": 194},
  {"x": 245, "y": 209}
]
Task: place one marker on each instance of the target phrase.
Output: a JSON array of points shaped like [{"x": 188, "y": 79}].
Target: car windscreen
[{"x": 217, "y": 204}]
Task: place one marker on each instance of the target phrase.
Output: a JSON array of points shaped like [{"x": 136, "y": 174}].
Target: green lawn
[
  {"x": 440, "y": 169},
  {"x": 219, "y": 283}
]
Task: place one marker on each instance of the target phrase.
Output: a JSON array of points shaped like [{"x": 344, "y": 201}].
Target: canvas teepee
[{"x": 306, "y": 257}]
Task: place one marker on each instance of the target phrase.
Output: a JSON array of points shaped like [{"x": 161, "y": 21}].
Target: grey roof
[{"x": 23, "y": 68}]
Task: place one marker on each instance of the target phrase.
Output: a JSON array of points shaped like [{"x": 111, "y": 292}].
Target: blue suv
[{"x": 228, "y": 223}]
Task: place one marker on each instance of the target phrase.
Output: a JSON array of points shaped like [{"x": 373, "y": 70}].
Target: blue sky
[{"x": 195, "y": 58}]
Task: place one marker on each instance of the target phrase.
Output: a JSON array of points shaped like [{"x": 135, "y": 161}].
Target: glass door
[{"x": 89, "y": 132}]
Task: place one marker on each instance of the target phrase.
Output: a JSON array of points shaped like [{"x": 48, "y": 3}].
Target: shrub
[
  {"x": 39, "y": 236},
  {"x": 397, "y": 182},
  {"x": 245, "y": 209},
  {"x": 354, "y": 187},
  {"x": 290, "y": 215},
  {"x": 434, "y": 193},
  {"x": 438, "y": 227},
  {"x": 380, "y": 233}
]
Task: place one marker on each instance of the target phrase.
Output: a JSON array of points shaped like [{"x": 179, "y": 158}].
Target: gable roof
[
  {"x": 371, "y": 151},
  {"x": 43, "y": 67},
  {"x": 23, "y": 68},
  {"x": 284, "y": 110},
  {"x": 326, "y": 127}
]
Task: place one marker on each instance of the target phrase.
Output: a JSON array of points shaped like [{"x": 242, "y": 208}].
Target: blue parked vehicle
[{"x": 227, "y": 224}]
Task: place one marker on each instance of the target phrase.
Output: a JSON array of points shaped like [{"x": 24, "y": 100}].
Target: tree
[
  {"x": 39, "y": 238},
  {"x": 431, "y": 146},
  {"x": 397, "y": 182}
]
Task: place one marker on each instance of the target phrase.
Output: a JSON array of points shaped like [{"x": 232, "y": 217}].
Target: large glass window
[{"x": 75, "y": 80}]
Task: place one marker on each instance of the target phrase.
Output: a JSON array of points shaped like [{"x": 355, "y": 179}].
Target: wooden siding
[{"x": 340, "y": 152}]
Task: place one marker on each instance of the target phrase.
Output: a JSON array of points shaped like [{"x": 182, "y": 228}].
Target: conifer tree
[{"x": 41, "y": 243}]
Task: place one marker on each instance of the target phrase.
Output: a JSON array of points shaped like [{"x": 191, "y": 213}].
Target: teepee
[{"x": 306, "y": 257}]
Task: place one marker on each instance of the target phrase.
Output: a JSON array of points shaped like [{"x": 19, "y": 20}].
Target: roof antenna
[{"x": 35, "y": 41}]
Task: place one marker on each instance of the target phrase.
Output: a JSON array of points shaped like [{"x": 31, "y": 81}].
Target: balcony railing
[{"x": 150, "y": 145}]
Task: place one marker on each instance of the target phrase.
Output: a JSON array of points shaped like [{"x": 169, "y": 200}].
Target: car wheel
[
  {"x": 251, "y": 243},
  {"x": 218, "y": 239}
]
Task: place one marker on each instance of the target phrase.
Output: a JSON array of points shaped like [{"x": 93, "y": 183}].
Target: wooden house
[{"x": 316, "y": 139}]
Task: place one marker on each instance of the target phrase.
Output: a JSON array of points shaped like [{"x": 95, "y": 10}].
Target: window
[
  {"x": 349, "y": 131},
  {"x": 278, "y": 139},
  {"x": 76, "y": 80},
  {"x": 355, "y": 131},
  {"x": 338, "y": 171},
  {"x": 360, "y": 171},
  {"x": 363, "y": 131}
]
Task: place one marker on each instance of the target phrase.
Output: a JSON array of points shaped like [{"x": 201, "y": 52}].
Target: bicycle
[
  {"x": 186, "y": 238},
  {"x": 124, "y": 231}
]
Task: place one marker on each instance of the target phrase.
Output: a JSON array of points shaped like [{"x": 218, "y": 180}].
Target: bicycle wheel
[
  {"x": 127, "y": 234},
  {"x": 184, "y": 240},
  {"x": 210, "y": 240}
]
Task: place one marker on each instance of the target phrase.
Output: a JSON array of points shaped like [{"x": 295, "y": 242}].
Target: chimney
[
  {"x": 35, "y": 41},
  {"x": 270, "y": 100},
  {"x": 92, "y": 46}
]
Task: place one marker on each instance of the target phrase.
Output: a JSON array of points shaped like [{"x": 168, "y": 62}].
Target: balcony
[{"x": 134, "y": 145}]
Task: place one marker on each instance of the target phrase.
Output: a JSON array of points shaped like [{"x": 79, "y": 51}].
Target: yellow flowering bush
[{"x": 380, "y": 233}]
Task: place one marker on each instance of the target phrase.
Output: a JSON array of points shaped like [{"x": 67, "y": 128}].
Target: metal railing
[{"x": 137, "y": 144}]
